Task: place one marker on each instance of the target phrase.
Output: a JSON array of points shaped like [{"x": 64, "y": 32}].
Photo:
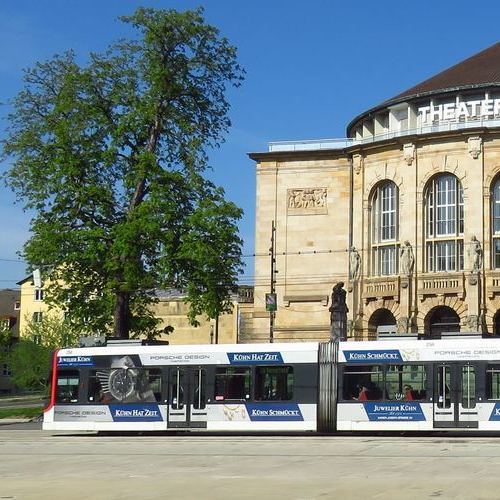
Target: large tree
[{"x": 112, "y": 157}]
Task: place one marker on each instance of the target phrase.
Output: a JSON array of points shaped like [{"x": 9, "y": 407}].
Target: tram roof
[{"x": 189, "y": 348}]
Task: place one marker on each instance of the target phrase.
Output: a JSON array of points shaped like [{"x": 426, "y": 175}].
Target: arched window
[
  {"x": 441, "y": 319},
  {"x": 385, "y": 229},
  {"x": 496, "y": 323},
  {"x": 444, "y": 202},
  {"x": 382, "y": 321},
  {"x": 495, "y": 226}
]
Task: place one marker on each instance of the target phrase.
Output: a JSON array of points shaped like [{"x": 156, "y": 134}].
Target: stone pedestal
[
  {"x": 405, "y": 298},
  {"x": 353, "y": 301},
  {"x": 473, "y": 294}
]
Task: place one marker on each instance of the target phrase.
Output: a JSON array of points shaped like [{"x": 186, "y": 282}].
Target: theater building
[{"x": 405, "y": 211}]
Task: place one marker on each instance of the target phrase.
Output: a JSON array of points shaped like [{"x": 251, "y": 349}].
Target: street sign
[{"x": 271, "y": 303}]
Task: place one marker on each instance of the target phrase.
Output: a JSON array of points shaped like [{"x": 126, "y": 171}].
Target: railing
[
  {"x": 311, "y": 145},
  {"x": 451, "y": 284},
  {"x": 245, "y": 294},
  {"x": 492, "y": 284},
  {"x": 342, "y": 143},
  {"x": 383, "y": 287}
]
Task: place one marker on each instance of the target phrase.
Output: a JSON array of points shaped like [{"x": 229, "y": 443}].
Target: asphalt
[{"x": 55, "y": 465}]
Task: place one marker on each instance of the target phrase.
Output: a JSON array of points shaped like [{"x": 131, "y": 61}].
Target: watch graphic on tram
[
  {"x": 121, "y": 383},
  {"x": 122, "y": 379}
]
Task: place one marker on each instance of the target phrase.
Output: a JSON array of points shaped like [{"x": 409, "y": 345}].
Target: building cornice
[
  {"x": 337, "y": 154},
  {"x": 346, "y": 153}
]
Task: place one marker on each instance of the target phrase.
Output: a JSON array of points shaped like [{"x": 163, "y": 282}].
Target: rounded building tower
[{"x": 405, "y": 211}]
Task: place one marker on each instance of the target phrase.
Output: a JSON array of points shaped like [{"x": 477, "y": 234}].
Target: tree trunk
[{"x": 121, "y": 315}]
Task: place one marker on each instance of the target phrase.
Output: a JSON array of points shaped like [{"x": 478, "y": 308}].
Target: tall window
[
  {"x": 37, "y": 317},
  {"x": 495, "y": 226},
  {"x": 444, "y": 202},
  {"x": 385, "y": 229}
]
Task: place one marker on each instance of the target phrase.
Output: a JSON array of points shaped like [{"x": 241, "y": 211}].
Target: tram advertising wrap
[{"x": 391, "y": 385}]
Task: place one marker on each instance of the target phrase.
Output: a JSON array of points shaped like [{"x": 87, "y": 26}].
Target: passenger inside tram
[{"x": 408, "y": 393}]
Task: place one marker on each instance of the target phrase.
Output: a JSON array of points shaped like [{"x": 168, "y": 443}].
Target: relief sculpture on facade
[
  {"x": 409, "y": 153},
  {"x": 472, "y": 323},
  {"x": 475, "y": 146},
  {"x": 307, "y": 200}
]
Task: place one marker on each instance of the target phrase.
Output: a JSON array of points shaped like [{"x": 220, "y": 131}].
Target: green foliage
[
  {"x": 30, "y": 358},
  {"x": 5, "y": 336},
  {"x": 111, "y": 157},
  {"x": 6, "y": 341},
  {"x": 30, "y": 365},
  {"x": 21, "y": 412},
  {"x": 51, "y": 332}
]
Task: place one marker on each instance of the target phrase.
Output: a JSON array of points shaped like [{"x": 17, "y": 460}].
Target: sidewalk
[{"x": 10, "y": 421}]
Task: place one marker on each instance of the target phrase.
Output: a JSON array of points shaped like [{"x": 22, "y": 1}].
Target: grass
[{"x": 20, "y": 412}]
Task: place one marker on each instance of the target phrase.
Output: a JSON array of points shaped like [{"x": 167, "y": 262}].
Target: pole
[
  {"x": 272, "y": 251},
  {"x": 217, "y": 328}
]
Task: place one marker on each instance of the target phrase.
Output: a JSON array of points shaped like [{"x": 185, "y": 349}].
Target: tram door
[
  {"x": 187, "y": 400},
  {"x": 455, "y": 395}
]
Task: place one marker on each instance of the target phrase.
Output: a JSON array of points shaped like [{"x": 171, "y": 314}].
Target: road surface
[{"x": 37, "y": 465}]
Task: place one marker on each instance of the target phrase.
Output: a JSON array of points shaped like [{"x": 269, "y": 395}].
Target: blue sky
[{"x": 311, "y": 67}]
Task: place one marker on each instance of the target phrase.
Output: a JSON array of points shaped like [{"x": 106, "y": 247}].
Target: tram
[{"x": 384, "y": 385}]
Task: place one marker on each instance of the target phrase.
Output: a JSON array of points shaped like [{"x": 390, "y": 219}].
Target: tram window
[
  {"x": 468, "y": 387},
  {"x": 363, "y": 383},
  {"x": 67, "y": 387},
  {"x": 128, "y": 385},
  {"x": 274, "y": 383},
  {"x": 177, "y": 389},
  {"x": 405, "y": 382},
  {"x": 199, "y": 392},
  {"x": 232, "y": 383},
  {"x": 493, "y": 382}
]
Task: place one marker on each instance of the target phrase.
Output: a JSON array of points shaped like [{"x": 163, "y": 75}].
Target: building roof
[
  {"x": 481, "y": 69},
  {"x": 24, "y": 280},
  {"x": 8, "y": 298},
  {"x": 478, "y": 71}
]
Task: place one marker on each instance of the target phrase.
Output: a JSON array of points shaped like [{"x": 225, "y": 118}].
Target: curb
[{"x": 10, "y": 421}]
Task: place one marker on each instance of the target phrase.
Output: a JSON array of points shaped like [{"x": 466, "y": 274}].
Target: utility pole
[{"x": 271, "y": 303}]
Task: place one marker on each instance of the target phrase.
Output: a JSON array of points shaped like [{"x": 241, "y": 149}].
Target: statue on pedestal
[
  {"x": 354, "y": 264},
  {"x": 475, "y": 255},
  {"x": 406, "y": 258},
  {"x": 338, "y": 312}
]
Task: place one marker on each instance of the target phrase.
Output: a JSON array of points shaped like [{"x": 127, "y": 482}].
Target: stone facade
[
  {"x": 313, "y": 238},
  {"x": 307, "y": 196}
]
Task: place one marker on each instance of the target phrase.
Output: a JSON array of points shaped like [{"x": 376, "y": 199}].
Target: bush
[{"x": 30, "y": 365}]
